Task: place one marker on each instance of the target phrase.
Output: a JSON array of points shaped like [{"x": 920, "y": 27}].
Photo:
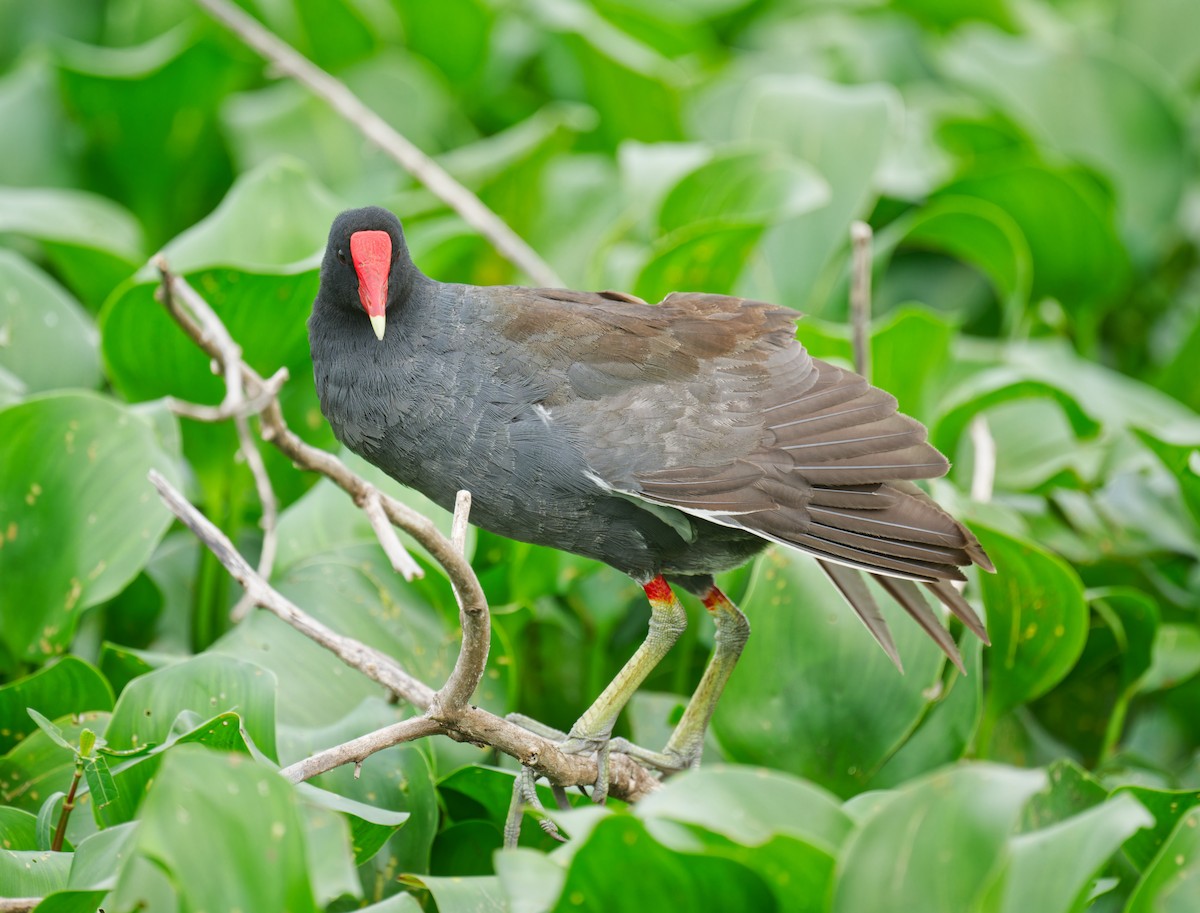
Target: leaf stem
[{"x": 60, "y": 832}]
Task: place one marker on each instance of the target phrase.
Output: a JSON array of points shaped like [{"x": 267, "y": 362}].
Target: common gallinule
[{"x": 672, "y": 441}]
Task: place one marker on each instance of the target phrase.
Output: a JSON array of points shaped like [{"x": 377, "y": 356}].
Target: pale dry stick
[
  {"x": 235, "y": 405},
  {"x": 462, "y": 514},
  {"x": 860, "y": 296},
  {"x": 983, "y": 478},
  {"x": 358, "y": 750},
  {"x": 19, "y": 904},
  {"x": 629, "y": 780},
  {"x": 335, "y": 93},
  {"x": 402, "y": 562}
]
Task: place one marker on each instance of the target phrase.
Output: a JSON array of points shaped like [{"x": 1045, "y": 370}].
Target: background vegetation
[{"x": 1029, "y": 169}]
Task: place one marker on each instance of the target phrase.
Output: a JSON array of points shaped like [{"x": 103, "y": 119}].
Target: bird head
[{"x": 365, "y": 246}]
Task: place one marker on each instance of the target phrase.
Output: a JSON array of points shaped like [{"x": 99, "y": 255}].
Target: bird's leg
[
  {"x": 684, "y": 747},
  {"x": 591, "y": 732}
]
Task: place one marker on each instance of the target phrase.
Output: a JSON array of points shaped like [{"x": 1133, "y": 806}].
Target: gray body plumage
[{"x": 674, "y": 439}]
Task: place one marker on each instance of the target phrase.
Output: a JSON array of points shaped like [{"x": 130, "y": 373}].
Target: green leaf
[
  {"x": 743, "y": 186},
  {"x": 810, "y": 665},
  {"x": 100, "y": 782},
  {"x": 1168, "y": 808},
  {"x": 460, "y": 895},
  {"x": 654, "y": 877},
  {"x": 76, "y": 465},
  {"x": 18, "y": 829},
  {"x": 91, "y": 241},
  {"x": 32, "y": 874},
  {"x": 840, "y": 131},
  {"x": 707, "y": 257},
  {"x": 1052, "y": 868},
  {"x": 1069, "y": 791},
  {"x": 49, "y": 341},
  {"x": 211, "y": 813},
  {"x": 1037, "y": 618},
  {"x": 205, "y": 685},
  {"x": 370, "y": 827},
  {"x": 40, "y": 153},
  {"x": 58, "y": 689},
  {"x": 934, "y": 844},
  {"x": 37, "y": 767},
  {"x": 1096, "y": 105},
  {"x": 52, "y": 732},
  {"x": 1176, "y": 657},
  {"x": 1183, "y": 460},
  {"x": 48, "y": 817},
  {"x": 1171, "y": 883}
]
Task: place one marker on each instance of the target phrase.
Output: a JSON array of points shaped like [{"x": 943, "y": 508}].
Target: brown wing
[{"x": 708, "y": 404}]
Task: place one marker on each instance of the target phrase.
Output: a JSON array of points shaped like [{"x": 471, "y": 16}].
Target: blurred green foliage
[{"x": 1029, "y": 171}]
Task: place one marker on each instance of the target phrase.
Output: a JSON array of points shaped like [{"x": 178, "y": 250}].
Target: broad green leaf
[
  {"x": 1183, "y": 460},
  {"x": 52, "y": 732},
  {"x": 979, "y": 233},
  {"x": 1162, "y": 29},
  {"x": 99, "y": 858},
  {"x": 654, "y": 877},
  {"x": 531, "y": 881},
  {"x": 743, "y": 186},
  {"x": 947, "y": 730},
  {"x": 91, "y": 241},
  {"x": 1069, "y": 791},
  {"x": 1075, "y": 253},
  {"x": 287, "y": 119},
  {"x": 78, "y": 517},
  {"x": 49, "y": 341},
  {"x": 464, "y": 849},
  {"x": 469, "y": 21},
  {"x": 370, "y": 827},
  {"x": 48, "y": 817},
  {"x": 1052, "y": 868},
  {"x": 706, "y": 257},
  {"x": 68, "y": 686},
  {"x": 1171, "y": 884},
  {"x": 840, "y": 131},
  {"x": 1096, "y": 105},
  {"x": 32, "y": 874},
  {"x": 786, "y": 830},
  {"x": 1037, "y": 619},
  {"x": 100, "y": 782},
  {"x": 934, "y": 844},
  {"x": 1176, "y": 657},
  {"x": 1167, "y": 807},
  {"x": 163, "y": 96},
  {"x": 38, "y": 154},
  {"x": 18, "y": 829},
  {"x": 206, "y": 685},
  {"x": 809, "y": 668},
  {"x": 246, "y": 820},
  {"x": 459, "y": 895},
  {"x": 330, "y": 858}
]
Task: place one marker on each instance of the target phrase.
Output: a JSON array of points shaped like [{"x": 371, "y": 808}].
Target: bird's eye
[{"x": 342, "y": 255}]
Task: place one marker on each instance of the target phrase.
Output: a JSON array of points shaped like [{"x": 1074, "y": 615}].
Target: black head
[{"x": 366, "y": 263}]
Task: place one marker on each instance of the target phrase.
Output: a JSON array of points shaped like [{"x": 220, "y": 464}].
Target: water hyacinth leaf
[
  {"x": 205, "y": 685},
  {"x": 1052, "y": 868},
  {"x": 78, "y": 517},
  {"x": 70, "y": 685},
  {"x": 978, "y": 803},
  {"x": 787, "y": 704},
  {"x": 248, "y": 820},
  {"x": 47, "y": 341},
  {"x": 1171, "y": 883},
  {"x": 18, "y": 829},
  {"x": 841, "y": 132},
  {"x": 1037, "y": 618}
]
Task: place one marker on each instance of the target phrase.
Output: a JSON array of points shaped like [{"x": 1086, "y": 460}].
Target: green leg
[
  {"x": 684, "y": 747},
  {"x": 591, "y": 732}
]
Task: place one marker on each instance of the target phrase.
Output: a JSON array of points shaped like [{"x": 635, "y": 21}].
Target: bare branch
[
  {"x": 628, "y": 779},
  {"x": 19, "y": 904},
  {"x": 860, "y": 296},
  {"x": 357, "y": 750},
  {"x": 370, "y": 662},
  {"x": 335, "y": 93},
  {"x": 462, "y": 513},
  {"x": 402, "y": 562},
  {"x": 983, "y": 478}
]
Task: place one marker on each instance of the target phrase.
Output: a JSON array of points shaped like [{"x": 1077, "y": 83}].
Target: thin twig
[
  {"x": 462, "y": 514},
  {"x": 477, "y": 634},
  {"x": 983, "y": 478},
  {"x": 358, "y": 750},
  {"x": 860, "y": 296},
  {"x": 402, "y": 562},
  {"x": 367, "y": 660},
  {"x": 335, "y": 93},
  {"x": 19, "y": 904},
  {"x": 628, "y": 779}
]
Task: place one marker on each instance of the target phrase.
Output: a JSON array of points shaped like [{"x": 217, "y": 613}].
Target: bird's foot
[
  {"x": 668, "y": 761},
  {"x": 525, "y": 796},
  {"x": 599, "y": 747}
]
